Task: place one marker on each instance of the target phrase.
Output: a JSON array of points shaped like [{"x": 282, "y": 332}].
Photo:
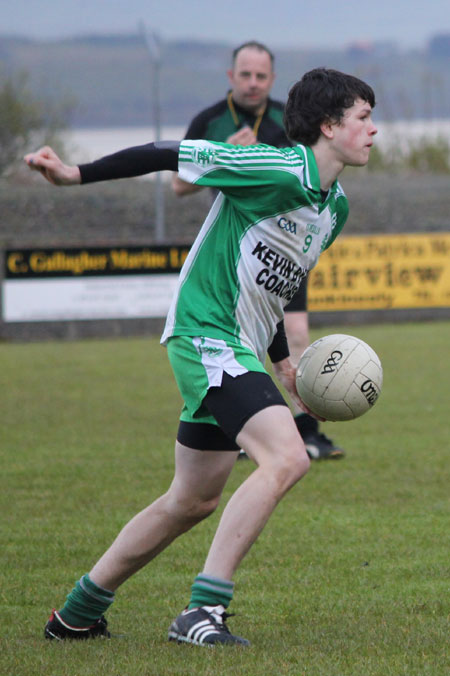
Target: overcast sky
[{"x": 293, "y": 23}]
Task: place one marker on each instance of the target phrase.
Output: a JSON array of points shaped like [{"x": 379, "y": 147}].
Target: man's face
[
  {"x": 353, "y": 136},
  {"x": 251, "y": 79}
]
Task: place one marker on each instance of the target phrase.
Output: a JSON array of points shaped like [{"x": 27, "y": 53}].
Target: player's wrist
[
  {"x": 73, "y": 175},
  {"x": 284, "y": 367}
]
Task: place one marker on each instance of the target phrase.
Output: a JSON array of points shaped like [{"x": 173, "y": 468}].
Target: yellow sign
[{"x": 382, "y": 272}]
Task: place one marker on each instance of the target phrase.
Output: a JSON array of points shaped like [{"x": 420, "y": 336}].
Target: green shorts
[{"x": 199, "y": 363}]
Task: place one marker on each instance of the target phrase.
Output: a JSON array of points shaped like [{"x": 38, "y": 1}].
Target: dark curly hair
[{"x": 321, "y": 95}]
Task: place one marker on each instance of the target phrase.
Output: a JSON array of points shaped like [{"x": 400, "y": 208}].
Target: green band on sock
[
  {"x": 95, "y": 589},
  {"x": 86, "y": 603},
  {"x": 211, "y": 591}
]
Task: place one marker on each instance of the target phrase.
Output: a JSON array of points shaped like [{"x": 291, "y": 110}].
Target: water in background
[{"x": 85, "y": 145}]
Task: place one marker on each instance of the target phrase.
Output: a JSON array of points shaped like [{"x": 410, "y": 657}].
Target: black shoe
[
  {"x": 320, "y": 447},
  {"x": 203, "y": 626},
  {"x": 57, "y": 629}
]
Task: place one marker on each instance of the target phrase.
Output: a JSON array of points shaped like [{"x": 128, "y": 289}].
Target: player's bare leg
[
  {"x": 271, "y": 439},
  {"x": 194, "y": 494}
]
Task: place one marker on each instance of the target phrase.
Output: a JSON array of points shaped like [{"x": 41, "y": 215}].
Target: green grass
[{"x": 350, "y": 577}]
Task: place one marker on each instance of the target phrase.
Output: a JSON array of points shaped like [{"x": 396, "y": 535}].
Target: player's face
[
  {"x": 251, "y": 79},
  {"x": 353, "y": 135}
]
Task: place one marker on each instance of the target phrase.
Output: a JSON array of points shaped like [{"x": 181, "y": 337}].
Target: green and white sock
[
  {"x": 86, "y": 603},
  {"x": 210, "y": 591}
]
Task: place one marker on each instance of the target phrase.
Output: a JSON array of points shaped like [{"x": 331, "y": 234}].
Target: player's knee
[
  {"x": 290, "y": 466},
  {"x": 204, "y": 508},
  {"x": 303, "y": 463},
  {"x": 297, "y": 463},
  {"x": 195, "y": 508}
]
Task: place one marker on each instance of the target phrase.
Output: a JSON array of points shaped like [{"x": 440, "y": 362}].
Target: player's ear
[
  {"x": 230, "y": 74},
  {"x": 327, "y": 128}
]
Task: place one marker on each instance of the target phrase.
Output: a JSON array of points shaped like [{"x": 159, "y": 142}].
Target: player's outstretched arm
[
  {"x": 52, "y": 168},
  {"x": 135, "y": 161}
]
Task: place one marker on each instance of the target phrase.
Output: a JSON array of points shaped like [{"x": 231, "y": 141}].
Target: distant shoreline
[{"x": 87, "y": 144}]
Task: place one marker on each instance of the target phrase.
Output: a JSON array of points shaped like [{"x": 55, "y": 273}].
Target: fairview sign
[{"x": 382, "y": 272}]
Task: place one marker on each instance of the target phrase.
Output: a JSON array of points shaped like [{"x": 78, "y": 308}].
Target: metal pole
[{"x": 153, "y": 43}]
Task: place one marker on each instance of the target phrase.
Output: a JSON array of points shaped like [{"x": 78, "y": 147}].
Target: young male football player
[
  {"x": 247, "y": 116},
  {"x": 227, "y": 314}
]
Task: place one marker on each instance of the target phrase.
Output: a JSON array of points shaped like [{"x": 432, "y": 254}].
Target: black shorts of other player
[{"x": 299, "y": 302}]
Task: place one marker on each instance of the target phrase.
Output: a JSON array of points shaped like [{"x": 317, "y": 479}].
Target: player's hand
[
  {"x": 285, "y": 371},
  {"x": 243, "y": 137},
  {"x": 52, "y": 168}
]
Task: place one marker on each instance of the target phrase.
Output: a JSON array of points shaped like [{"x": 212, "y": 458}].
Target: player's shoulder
[
  {"x": 276, "y": 105},
  {"x": 341, "y": 201},
  {"x": 200, "y": 121},
  {"x": 275, "y": 111},
  {"x": 214, "y": 109},
  {"x": 340, "y": 192}
]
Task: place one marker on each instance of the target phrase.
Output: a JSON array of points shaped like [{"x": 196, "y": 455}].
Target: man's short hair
[
  {"x": 252, "y": 44},
  {"x": 321, "y": 95}
]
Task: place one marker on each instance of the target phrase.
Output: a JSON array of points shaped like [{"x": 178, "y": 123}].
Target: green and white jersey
[{"x": 264, "y": 232}]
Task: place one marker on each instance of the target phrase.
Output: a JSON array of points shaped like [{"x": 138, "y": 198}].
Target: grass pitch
[{"x": 350, "y": 577}]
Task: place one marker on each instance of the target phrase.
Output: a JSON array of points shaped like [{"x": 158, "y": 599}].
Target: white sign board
[
  {"x": 91, "y": 298},
  {"x": 90, "y": 284}
]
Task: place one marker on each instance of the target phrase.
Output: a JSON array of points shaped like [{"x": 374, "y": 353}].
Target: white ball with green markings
[{"x": 339, "y": 377}]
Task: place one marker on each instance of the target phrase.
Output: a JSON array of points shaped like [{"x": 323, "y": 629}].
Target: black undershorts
[{"x": 231, "y": 404}]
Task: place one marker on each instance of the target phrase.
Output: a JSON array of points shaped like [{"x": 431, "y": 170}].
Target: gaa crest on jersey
[{"x": 203, "y": 156}]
